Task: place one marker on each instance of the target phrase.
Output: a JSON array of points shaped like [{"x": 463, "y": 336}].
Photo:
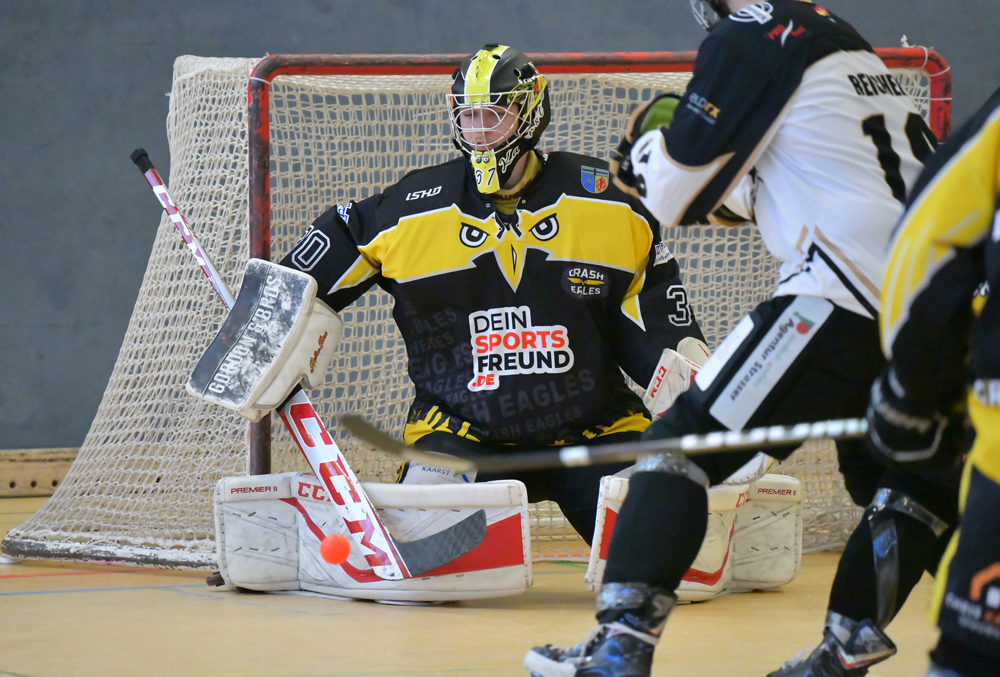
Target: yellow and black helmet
[{"x": 487, "y": 86}]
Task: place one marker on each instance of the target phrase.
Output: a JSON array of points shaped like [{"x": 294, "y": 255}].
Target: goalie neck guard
[{"x": 486, "y": 85}]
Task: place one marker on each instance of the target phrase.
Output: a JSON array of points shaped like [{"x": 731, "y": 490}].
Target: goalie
[{"x": 524, "y": 282}]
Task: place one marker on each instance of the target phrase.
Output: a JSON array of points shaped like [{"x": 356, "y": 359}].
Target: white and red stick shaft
[{"x": 303, "y": 422}]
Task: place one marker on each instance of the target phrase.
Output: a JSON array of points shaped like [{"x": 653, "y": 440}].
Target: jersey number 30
[{"x": 922, "y": 144}]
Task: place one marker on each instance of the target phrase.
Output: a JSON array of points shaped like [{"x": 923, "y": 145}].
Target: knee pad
[
  {"x": 269, "y": 528},
  {"x": 885, "y": 544}
]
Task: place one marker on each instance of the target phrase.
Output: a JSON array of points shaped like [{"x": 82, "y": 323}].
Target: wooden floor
[{"x": 58, "y": 619}]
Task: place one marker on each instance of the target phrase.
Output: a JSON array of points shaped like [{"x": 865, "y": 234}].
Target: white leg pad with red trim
[
  {"x": 753, "y": 541},
  {"x": 269, "y": 528}
]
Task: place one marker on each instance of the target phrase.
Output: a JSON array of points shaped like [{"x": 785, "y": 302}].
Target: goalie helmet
[
  {"x": 501, "y": 102},
  {"x": 709, "y": 12}
]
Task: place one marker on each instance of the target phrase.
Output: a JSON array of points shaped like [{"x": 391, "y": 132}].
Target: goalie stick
[
  {"x": 389, "y": 559},
  {"x": 569, "y": 457}
]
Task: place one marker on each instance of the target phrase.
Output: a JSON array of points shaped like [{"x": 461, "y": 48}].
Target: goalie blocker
[
  {"x": 277, "y": 335},
  {"x": 269, "y": 529}
]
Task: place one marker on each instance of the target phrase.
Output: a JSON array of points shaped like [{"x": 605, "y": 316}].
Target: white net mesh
[{"x": 141, "y": 488}]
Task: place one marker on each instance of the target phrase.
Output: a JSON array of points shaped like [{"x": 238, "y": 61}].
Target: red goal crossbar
[{"x": 918, "y": 58}]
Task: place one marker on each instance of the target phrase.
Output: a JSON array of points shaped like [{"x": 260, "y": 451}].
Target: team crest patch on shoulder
[
  {"x": 344, "y": 211},
  {"x": 822, "y": 12},
  {"x": 593, "y": 179}
]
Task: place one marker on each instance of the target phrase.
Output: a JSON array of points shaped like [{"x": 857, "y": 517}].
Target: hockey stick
[
  {"x": 570, "y": 457},
  {"x": 325, "y": 458}
]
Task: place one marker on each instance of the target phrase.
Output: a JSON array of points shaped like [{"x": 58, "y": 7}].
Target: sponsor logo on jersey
[
  {"x": 874, "y": 85},
  {"x": 420, "y": 194},
  {"x": 661, "y": 254},
  {"x": 705, "y": 109},
  {"x": 987, "y": 391},
  {"x": 345, "y": 211},
  {"x": 761, "y": 13},
  {"x": 505, "y": 342},
  {"x": 784, "y": 32},
  {"x": 593, "y": 179},
  {"x": 584, "y": 283},
  {"x": 772, "y": 356}
]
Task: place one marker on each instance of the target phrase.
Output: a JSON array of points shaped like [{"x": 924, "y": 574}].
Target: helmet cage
[{"x": 493, "y": 112}]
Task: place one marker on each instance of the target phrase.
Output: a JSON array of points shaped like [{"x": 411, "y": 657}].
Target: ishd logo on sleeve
[
  {"x": 505, "y": 342},
  {"x": 595, "y": 180}
]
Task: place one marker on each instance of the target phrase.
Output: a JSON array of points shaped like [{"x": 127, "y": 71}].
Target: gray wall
[{"x": 83, "y": 83}]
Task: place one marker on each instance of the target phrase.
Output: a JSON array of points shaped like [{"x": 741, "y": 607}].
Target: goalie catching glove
[{"x": 277, "y": 335}]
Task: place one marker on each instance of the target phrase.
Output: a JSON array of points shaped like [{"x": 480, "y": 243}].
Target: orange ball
[{"x": 335, "y": 549}]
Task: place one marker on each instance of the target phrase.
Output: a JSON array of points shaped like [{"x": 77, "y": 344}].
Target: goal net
[{"x": 321, "y": 131}]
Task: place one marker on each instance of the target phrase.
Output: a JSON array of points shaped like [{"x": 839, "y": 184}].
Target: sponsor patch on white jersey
[
  {"x": 774, "y": 354},
  {"x": 505, "y": 343},
  {"x": 662, "y": 254}
]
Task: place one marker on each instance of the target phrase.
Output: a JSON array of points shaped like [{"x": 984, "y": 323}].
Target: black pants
[
  {"x": 793, "y": 359},
  {"x": 574, "y": 490}
]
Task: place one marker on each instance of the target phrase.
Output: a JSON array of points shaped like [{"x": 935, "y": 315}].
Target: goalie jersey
[
  {"x": 795, "y": 93},
  {"x": 517, "y": 328}
]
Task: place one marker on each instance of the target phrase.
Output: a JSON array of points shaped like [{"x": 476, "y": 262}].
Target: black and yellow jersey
[
  {"x": 945, "y": 254},
  {"x": 517, "y": 328}
]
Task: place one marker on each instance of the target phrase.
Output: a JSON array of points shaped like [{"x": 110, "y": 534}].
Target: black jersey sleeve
[
  {"x": 665, "y": 312},
  {"x": 329, "y": 252}
]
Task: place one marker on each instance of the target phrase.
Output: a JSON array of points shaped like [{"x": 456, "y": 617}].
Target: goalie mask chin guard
[
  {"x": 709, "y": 12},
  {"x": 497, "y": 93}
]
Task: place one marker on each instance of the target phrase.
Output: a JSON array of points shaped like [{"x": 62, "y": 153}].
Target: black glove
[
  {"x": 901, "y": 430},
  {"x": 657, "y": 113}
]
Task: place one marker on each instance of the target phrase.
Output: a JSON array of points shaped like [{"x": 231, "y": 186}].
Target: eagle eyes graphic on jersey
[
  {"x": 505, "y": 342},
  {"x": 546, "y": 229},
  {"x": 471, "y": 236}
]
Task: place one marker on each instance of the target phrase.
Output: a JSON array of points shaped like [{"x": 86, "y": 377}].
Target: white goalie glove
[
  {"x": 277, "y": 335},
  {"x": 673, "y": 374}
]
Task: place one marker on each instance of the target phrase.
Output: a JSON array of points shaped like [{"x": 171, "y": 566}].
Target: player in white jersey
[{"x": 790, "y": 119}]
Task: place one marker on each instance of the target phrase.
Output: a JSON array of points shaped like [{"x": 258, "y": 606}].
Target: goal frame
[{"x": 259, "y": 153}]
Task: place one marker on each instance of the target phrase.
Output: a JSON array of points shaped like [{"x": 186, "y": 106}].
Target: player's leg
[
  {"x": 967, "y": 595},
  {"x": 766, "y": 372},
  {"x": 576, "y": 490}
]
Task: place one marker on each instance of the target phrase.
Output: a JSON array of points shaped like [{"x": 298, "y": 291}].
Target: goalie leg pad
[
  {"x": 753, "y": 542},
  {"x": 269, "y": 529},
  {"x": 767, "y": 539},
  {"x": 712, "y": 569},
  {"x": 276, "y": 335}
]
